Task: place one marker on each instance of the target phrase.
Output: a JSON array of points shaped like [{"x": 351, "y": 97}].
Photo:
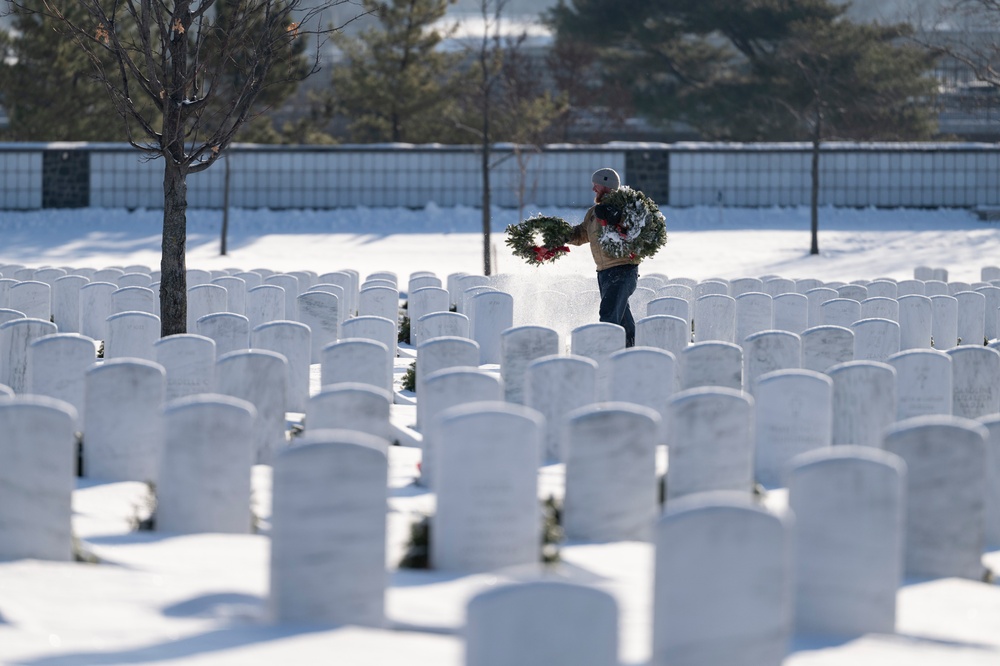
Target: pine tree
[
  {"x": 49, "y": 87},
  {"x": 772, "y": 69},
  {"x": 394, "y": 84}
]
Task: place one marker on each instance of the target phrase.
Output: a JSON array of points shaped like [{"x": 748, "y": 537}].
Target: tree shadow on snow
[{"x": 182, "y": 648}]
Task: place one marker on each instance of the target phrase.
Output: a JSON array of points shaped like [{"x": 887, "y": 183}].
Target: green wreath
[
  {"x": 523, "y": 239},
  {"x": 637, "y": 230}
]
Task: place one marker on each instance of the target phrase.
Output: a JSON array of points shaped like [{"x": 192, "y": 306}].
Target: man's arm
[{"x": 579, "y": 235}]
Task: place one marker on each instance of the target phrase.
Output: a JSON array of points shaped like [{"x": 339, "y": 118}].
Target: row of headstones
[
  {"x": 198, "y": 449},
  {"x": 730, "y": 311},
  {"x": 968, "y": 317},
  {"x": 35, "y": 359},
  {"x": 834, "y": 569},
  {"x": 328, "y": 536},
  {"x": 76, "y": 305},
  {"x": 933, "y": 386},
  {"x": 722, "y": 433}
]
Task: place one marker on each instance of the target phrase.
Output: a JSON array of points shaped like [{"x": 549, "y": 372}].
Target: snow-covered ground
[
  {"x": 703, "y": 242},
  {"x": 158, "y": 598}
]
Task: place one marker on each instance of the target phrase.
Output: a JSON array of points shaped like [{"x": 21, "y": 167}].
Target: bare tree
[
  {"x": 185, "y": 76},
  {"x": 489, "y": 67},
  {"x": 505, "y": 102}
]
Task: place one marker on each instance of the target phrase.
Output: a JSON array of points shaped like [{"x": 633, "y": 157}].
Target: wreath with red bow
[
  {"x": 539, "y": 239},
  {"x": 633, "y": 226}
]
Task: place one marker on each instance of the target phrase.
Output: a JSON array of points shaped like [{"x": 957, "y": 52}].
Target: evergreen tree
[
  {"x": 702, "y": 61},
  {"x": 49, "y": 87},
  {"x": 771, "y": 69},
  {"x": 278, "y": 85},
  {"x": 394, "y": 84}
]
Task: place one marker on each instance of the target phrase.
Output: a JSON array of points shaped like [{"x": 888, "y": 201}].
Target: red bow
[{"x": 544, "y": 254}]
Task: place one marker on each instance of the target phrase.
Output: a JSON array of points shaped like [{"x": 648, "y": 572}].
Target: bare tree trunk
[
  {"x": 814, "y": 198},
  {"x": 173, "y": 265},
  {"x": 487, "y": 264},
  {"x": 225, "y": 209}
]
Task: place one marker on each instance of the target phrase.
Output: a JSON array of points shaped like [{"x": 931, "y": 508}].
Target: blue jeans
[{"x": 617, "y": 284}]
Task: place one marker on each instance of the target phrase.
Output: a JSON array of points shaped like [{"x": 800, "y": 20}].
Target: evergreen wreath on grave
[
  {"x": 634, "y": 227},
  {"x": 523, "y": 238}
]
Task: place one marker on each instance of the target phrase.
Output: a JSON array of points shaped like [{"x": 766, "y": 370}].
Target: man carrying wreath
[{"x": 616, "y": 276}]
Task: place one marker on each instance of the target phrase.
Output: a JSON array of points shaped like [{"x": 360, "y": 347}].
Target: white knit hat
[{"x": 607, "y": 177}]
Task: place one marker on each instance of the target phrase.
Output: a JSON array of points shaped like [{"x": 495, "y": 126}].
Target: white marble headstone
[
  {"x": 555, "y": 386},
  {"x": 123, "y": 405},
  {"x": 944, "y": 322},
  {"x": 189, "y": 362},
  {"x": 37, "y": 478},
  {"x": 16, "y": 337},
  {"x": 260, "y": 378},
  {"x": 864, "y": 402},
  {"x": 817, "y": 297},
  {"x": 991, "y": 532},
  {"x": 674, "y": 306},
  {"x": 236, "y": 293},
  {"x": 441, "y": 390},
  {"x": 644, "y": 376},
  {"x": 768, "y": 351},
  {"x": 722, "y": 583},
  {"x": 490, "y": 314},
  {"x": 356, "y": 360},
  {"x": 945, "y": 460},
  {"x": 711, "y": 364},
  {"x": 134, "y": 299},
  {"x": 131, "y": 335},
  {"x": 33, "y": 298},
  {"x": 230, "y": 331},
  {"x": 542, "y": 623},
  {"x": 292, "y": 288},
  {"x": 66, "y": 302},
  {"x": 975, "y": 381},
  {"x": 794, "y": 415},
  {"x": 840, "y": 312},
  {"x": 291, "y": 340},
  {"x": 95, "y": 308},
  {"x": 611, "y": 487},
  {"x": 916, "y": 322},
  {"x": 848, "y": 546},
  {"x": 373, "y": 328},
  {"x": 379, "y": 302},
  {"x": 971, "y": 317},
  {"x": 350, "y": 406},
  {"x": 875, "y": 339},
  {"x": 754, "y": 313},
  {"x": 424, "y": 301},
  {"x": 265, "y": 303},
  {"x": 204, "y": 480},
  {"x": 710, "y": 439},
  {"x": 519, "y": 346},
  {"x": 442, "y": 324},
  {"x": 924, "y": 383},
  {"x": 715, "y": 318},
  {"x": 487, "y": 488},
  {"x": 823, "y": 346},
  {"x": 328, "y": 530},
  {"x": 205, "y": 299},
  {"x": 665, "y": 332},
  {"x": 57, "y": 366},
  {"x": 598, "y": 342},
  {"x": 320, "y": 311}
]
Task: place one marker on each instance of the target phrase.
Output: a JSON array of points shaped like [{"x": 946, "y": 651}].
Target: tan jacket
[{"x": 590, "y": 230}]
